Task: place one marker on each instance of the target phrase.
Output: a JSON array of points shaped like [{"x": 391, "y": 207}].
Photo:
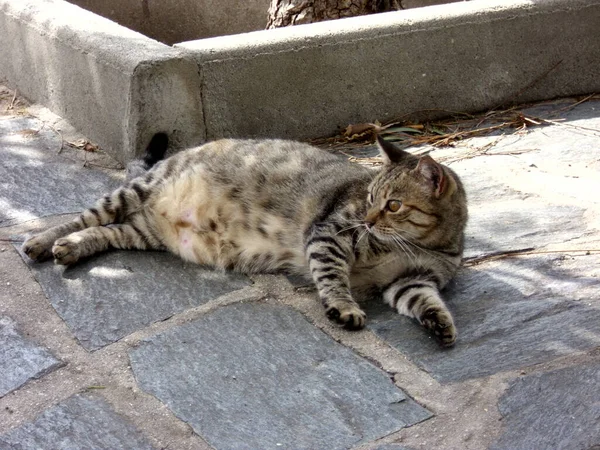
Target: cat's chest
[{"x": 380, "y": 270}]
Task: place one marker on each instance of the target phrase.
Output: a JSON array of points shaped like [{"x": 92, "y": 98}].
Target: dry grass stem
[{"x": 473, "y": 261}]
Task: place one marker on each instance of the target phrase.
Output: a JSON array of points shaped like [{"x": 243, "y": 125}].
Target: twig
[
  {"x": 12, "y": 103},
  {"x": 570, "y": 107},
  {"x": 472, "y": 261},
  {"x": 577, "y": 127},
  {"x": 62, "y": 140},
  {"x": 11, "y": 241}
]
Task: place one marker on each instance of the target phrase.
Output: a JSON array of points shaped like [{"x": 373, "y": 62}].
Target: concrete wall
[
  {"x": 308, "y": 80},
  {"x": 116, "y": 86},
  {"x": 183, "y": 20}
]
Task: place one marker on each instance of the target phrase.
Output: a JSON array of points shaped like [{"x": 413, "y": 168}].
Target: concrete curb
[
  {"x": 306, "y": 81},
  {"x": 119, "y": 87}
]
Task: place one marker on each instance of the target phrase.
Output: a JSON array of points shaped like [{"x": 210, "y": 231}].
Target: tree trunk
[{"x": 283, "y": 13}]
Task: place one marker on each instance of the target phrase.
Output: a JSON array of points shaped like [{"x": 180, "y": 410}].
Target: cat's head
[{"x": 416, "y": 199}]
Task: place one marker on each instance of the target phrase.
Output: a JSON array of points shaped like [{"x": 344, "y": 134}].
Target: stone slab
[
  {"x": 80, "y": 422},
  {"x": 20, "y": 359},
  {"x": 116, "y": 293},
  {"x": 558, "y": 409},
  {"x": 510, "y": 314},
  {"x": 260, "y": 376},
  {"x": 392, "y": 447},
  {"x": 36, "y": 181}
]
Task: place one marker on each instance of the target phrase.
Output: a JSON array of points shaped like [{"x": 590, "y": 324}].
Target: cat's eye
[{"x": 393, "y": 205}]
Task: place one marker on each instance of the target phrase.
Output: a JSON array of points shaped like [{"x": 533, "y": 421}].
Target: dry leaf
[
  {"x": 84, "y": 145},
  {"x": 361, "y": 129},
  {"x": 28, "y": 132}
]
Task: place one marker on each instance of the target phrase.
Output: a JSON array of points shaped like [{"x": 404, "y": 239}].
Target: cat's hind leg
[
  {"x": 113, "y": 208},
  {"x": 69, "y": 249},
  {"x": 420, "y": 299},
  {"x": 39, "y": 247}
]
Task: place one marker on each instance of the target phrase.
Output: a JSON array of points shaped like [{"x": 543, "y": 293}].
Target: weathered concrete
[
  {"x": 117, "y": 86},
  {"x": 183, "y": 20},
  {"x": 82, "y": 421},
  {"x": 95, "y": 297},
  {"x": 308, "y": 80},
  {"x": 20, "y": 359},
  {"x": 186, "y": 20},
  {"x": 266, "y": 378}
]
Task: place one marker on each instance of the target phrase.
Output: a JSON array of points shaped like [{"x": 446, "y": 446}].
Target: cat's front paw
[
  {"x": 65, "y": 252},
  {"x": 347, "y": 314},
  {"x": 37, "y": 248},
  {"x": 440, "y": 323}
]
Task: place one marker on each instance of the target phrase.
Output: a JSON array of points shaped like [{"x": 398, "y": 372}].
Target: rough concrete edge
[
  {"x": 230, "y": 54},
  {"x": 143, "y": 62},
  {"x": 371, "y": 27},
  {"x": 166, "y": 96}
]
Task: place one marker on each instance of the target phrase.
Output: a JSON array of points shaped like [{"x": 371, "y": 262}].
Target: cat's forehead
[{"x": 390, "y": 180}]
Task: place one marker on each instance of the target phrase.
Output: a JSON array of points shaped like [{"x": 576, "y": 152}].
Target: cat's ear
[
  {"x": 433, "y": 174},
  {"x": 389, "y": 152}
]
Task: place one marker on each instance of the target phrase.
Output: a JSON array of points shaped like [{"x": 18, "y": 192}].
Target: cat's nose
[{"x": 369, "y": 224}]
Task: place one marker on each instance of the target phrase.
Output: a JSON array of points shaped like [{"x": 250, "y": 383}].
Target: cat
[{"x": 272, "y": 205}]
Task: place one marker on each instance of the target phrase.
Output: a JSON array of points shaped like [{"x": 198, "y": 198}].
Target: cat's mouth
[{"x": 373, "y": 230}]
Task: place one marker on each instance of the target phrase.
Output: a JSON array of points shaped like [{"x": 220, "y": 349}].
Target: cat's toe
[
  {"x": 65, "y": 252},
  {"x": 440, "y": 323},
  {"x": 349, "y": 315},
  {"x": 36, "y": 249}
]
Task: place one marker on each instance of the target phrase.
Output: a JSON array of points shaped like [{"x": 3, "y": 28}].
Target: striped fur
[{"x": 266, "y": 205}]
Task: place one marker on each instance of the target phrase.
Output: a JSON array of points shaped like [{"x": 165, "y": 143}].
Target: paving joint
[{"x": 507, "y": 311}]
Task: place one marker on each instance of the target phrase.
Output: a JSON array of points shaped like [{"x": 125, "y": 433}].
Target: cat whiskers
[
  {"x": 362, "y": 235},
  {"x": 403, "y": 244},
  {"x": 349, "y": 228},
  {"x": 417, "y": 246}
]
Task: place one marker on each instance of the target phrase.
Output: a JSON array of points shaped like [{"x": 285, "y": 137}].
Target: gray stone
[
  {"x": 558, "y": 409},
  {"x": 259, "y": 376},
  {"x": 111, "y": 295},
  {"x": 300, "y": 282},
  {"x": 80, "y": 422},
  {"x": 391, "y": 447},
  {"x": 20, "y": 359},
  {"x": 36, "y": 181},
  {"x": 515, "y": 224},
  {"x": 509, "y": 313}
]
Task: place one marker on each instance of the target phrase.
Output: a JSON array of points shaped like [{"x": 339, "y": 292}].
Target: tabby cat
[{"x": 266, "y": 205}]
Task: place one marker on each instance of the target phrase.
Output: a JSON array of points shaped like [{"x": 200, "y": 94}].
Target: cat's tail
[{"x": 156, "y": 150}]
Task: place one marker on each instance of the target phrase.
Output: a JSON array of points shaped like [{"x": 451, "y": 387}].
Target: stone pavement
[{"x": 140, "y": 350}]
